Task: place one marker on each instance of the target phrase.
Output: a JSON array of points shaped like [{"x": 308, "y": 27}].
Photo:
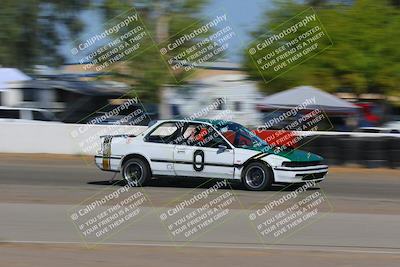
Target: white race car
[{"x": 206, "y": 148}]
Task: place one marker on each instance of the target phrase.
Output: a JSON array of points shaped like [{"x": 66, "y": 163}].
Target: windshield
[{"x": 239, "y": 136}]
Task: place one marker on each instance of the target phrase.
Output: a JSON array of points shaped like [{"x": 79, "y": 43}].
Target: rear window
[
  {"x": 9, "y": 114},
  {"x": 164, "y": 133}
]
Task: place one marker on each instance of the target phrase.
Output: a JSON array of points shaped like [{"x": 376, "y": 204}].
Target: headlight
[{"x": 285, "y": 164}]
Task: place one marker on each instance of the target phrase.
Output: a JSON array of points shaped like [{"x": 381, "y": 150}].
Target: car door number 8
[{"x": 198, "y": 166}]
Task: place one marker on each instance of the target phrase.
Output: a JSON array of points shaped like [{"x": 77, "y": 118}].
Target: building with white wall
[
  {"x": 8, "y": 77},
  {"x": 239, "y": 96}
]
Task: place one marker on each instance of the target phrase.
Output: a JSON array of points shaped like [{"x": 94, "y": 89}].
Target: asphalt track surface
[{"x": 358, "y": 225}]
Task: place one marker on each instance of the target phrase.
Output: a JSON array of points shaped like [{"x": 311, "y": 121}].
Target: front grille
[
  {"x": 301, "y": 163},
  {"x": 312, "y": 176}
]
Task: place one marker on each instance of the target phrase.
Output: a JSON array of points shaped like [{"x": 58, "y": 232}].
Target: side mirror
[{"x": 221, "y": 149}]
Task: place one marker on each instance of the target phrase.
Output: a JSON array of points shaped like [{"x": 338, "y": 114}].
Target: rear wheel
[
  {"x": 135, "y": 172},
  {"x": 257, "y": 176}
]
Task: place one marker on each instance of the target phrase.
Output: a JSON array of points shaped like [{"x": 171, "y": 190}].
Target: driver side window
[
  {"x": 236, "y": 136},
  {"x": 203, "y": 135}
]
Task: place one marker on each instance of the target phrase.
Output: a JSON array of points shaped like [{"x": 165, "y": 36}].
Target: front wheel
[
  {"x": 257, "y": 176},
  {"x": 135, "y": 172}
]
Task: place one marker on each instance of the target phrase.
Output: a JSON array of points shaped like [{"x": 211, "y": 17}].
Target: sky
[{"x": 243, "y": 16}]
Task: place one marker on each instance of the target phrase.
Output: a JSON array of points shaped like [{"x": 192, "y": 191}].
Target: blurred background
[
  {"x": 355, "y": 80},
  {"x": 55, "y": 103}
]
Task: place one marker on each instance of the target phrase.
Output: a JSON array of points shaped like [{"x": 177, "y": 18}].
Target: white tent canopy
[
  {"x": 314, "y": 97},
  {"x": 8, "y": 75}
]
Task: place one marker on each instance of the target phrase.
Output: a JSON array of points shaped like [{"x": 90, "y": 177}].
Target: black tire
[
  {"x": 136, "y": 172},
  {"x": 257, "y": 176}
]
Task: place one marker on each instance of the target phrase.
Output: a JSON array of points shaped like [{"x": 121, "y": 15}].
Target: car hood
[{"x": 291, "y": 154}]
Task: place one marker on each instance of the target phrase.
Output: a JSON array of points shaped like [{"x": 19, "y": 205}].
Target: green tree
[
  {"x": 147, "y": 72},
  {"x": 33, "y": 30},
  {"x": 30, "y": 30},
  {"x": 364, "y": 57}
]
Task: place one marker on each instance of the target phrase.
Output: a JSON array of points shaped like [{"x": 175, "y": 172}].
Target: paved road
[{"x": 356, "y": 224}]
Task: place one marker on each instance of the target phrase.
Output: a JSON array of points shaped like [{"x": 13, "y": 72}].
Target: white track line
[{"x": 233, "y": 246}]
